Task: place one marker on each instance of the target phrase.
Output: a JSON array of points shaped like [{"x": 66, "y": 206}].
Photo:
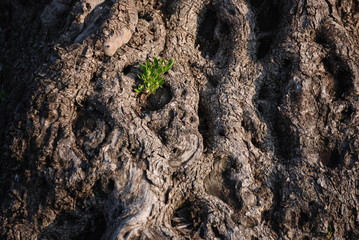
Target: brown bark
[{"x": 253, "y": 136}]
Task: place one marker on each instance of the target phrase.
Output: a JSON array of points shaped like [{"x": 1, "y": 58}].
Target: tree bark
[{"x": 255, "y": 134}]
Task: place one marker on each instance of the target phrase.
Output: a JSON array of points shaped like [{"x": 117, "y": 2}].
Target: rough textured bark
[{"x": 254, "y": 136}]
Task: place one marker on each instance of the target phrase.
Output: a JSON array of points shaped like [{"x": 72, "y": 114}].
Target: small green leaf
[{"x": 2, "y": 95}]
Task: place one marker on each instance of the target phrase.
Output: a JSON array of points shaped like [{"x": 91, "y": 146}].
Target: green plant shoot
[
  {"x": 2, "y": 95},
  {"x": 152, "y": 75}
]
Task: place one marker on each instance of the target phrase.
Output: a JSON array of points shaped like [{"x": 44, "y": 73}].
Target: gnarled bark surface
[{"x": 254, "y": 135}]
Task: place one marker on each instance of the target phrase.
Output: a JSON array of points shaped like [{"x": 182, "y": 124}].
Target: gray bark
[{"x": 255, "y": 134}]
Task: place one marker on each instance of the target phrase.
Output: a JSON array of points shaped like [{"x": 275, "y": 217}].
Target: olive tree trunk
[{"x": 255, "y": 134}]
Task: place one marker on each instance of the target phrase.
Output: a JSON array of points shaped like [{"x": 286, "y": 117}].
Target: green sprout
[
  {"x": 2, "y": 95},
  {"x": 152, "y": 75},
  {"x": 330, "y": 230}
]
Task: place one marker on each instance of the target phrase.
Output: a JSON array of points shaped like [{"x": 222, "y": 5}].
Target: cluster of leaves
[{"x": 151, "y": 75}]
